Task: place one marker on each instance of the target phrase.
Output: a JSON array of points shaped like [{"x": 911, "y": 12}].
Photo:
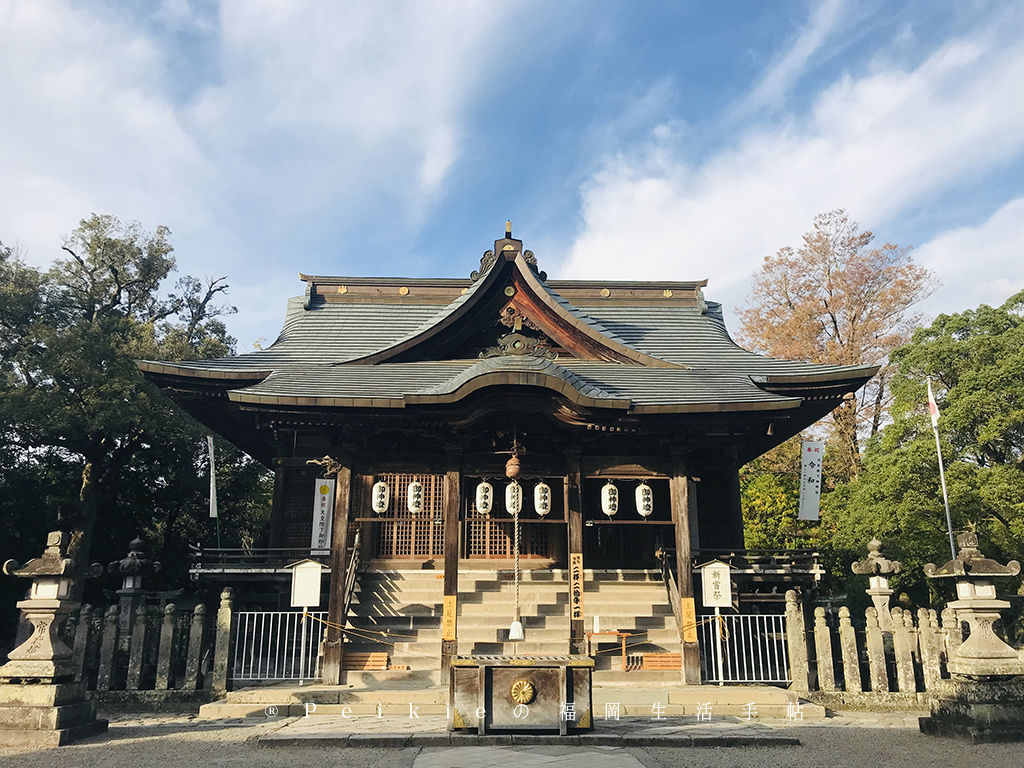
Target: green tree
[
  {"x": 976, "y": 359},
  {"x": 72, "y": 402}
]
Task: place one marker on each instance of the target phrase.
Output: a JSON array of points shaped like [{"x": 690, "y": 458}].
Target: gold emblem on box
[{"x": 522, "y": 692}]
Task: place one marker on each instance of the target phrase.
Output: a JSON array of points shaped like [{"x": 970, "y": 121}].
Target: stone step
[{"x": 323, "y": 695}]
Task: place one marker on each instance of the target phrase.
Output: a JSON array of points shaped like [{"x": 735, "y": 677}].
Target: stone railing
[
  {"x": 155, "y": 650},
  {"x": 850, "y": 663}
]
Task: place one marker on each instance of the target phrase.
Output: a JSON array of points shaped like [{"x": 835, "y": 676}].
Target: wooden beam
[
  {"x": 574, "y": 513},
  {"x": 278, "y": 523},
  {"x": 333, "y": 647},
  {"x": 684, "y": 502},
  {"x": 452, "y": 507}
]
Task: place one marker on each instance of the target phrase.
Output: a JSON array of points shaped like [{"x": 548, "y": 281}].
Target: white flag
[
  {"x": 213, "y": 479},
  {"x": 811, "y": 455},
  {"x": 933, "y": 407}
]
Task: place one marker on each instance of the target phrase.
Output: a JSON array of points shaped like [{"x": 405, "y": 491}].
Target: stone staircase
[{"x": 400, "y": 612}]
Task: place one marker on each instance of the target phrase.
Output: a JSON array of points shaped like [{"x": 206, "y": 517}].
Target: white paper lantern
[
  {"x": 542, "y": 499},
  {"x": 484, "y": 498},
  {"x": 610, "y": 499},
  {"x": 415, "y": 497},
  {"x": 513, "y": 498},
  {"x": 644, "y": 500},
  {"x": 381, "y": 497}
]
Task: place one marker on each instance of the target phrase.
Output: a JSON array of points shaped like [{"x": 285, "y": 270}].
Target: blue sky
[{"x": 642, "y": 140}]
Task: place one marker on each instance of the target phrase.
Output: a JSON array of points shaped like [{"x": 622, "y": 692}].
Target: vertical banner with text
[
  {"x": 323, "y": 516},
  {"x": 811, "y": 455},
  {"x": 576, "y": 586}
]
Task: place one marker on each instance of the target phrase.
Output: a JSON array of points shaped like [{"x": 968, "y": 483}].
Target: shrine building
[{"x": 620, "y": 412}]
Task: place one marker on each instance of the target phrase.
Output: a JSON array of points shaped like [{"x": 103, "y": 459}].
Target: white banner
[
  {"x": 213, "y": 479},
  {"x": 811, "y": 455},
  {"x": 323, "y": 515}
]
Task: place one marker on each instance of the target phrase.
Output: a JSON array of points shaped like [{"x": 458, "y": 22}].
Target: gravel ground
[{"x": 854, "y": 739}]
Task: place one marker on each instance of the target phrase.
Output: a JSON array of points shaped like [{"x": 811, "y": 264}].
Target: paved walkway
[{"x": 849, "y": 740}]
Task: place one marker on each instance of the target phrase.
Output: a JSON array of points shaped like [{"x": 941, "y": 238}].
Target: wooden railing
[
  {"x": 350, "y": 579},
  {"x": 669, "y": 577}
]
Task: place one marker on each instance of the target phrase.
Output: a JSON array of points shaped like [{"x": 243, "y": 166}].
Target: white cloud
[
  {"x": 873, "y": 145},
  {"x": 782, "y": 74},
  {"x": 983, "y": 264},
  {"x": 309, "y": 112}
]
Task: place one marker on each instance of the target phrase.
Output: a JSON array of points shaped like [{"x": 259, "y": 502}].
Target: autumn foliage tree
[{"x": 838, "y": 299}]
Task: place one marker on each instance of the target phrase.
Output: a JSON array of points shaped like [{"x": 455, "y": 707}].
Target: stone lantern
[
  {"x": 982, "y": 654},
  {"x": 41, "y": 703},
  {"x": 878, "y": 569},
  {"x": 984, "y": 699},
  {"x": 134, "y": 568}
]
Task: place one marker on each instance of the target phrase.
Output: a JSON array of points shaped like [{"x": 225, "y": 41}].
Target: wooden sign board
[
  {"x": 306, "y": 584},
  {"x": 689, "y": 617},
  {"x": 448, "y": 617},
  {"x": 716, "y": 584},
  {"x": 576, "y": 586}
]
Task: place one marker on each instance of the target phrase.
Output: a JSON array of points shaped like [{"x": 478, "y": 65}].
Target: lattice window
[
  {"x": 298, "y": 493},
  {"x": 493, "y": 536},
  {"x": 400, "y": 534}
]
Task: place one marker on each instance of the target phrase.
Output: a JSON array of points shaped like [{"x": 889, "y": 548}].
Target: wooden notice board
[
  {"x": 448, "y": 617},
  {"x": 576, "y": 586}
]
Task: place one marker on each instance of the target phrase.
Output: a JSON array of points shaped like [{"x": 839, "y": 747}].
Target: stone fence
[
  {"x": 906, "y": 655},
  {"x": 155, "y": 650}
]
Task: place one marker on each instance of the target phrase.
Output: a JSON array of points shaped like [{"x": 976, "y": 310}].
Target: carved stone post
[
  {"x": 796, "y": 639},
  {"x": 929, "y": 640},
  {"x": 135, "y": 652},
  {"x": 902, "y": 645},
  {"x": 876, "y": 653},
  {"x": 222, "y": 642},
  {"x": 195, "y": 648},
  {"x": 952, "y": 634},
  {"x": 108, "y": 649},
  {"x": 851, "y": 659},
  {"x": 823, "y": 651},
  {"x": 81, "y": 646},
  {"x": 163, "y": 659}
]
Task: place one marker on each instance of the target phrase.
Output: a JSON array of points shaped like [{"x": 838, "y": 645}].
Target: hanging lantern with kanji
[
  {"x": 644, "y": 500},
  {"x": 610, "y": 499},
  {"x": 415, "y": 497},
  {"x": 542, "y": 499},
  {"x": 513, "y": 498},
  {"x": 484, "y": 497},
  {"x": 381, "y": 496}
]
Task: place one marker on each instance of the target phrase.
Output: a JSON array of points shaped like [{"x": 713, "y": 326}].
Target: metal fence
[
  {"x": 753, "y": 650},
  {"x": 277, "y": 645}
]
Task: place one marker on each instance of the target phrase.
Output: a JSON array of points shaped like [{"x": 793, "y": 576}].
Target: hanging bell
[
  {"x": 512, "y": 467},
  {"x": 542, "y": 499},
  {"x": 513, "y": 498},
  {"x": 610, "y": 499},
  {"x": 484, "y": 497},
  {"x": 415, "y": 497},
  {"x": 644, "y": 500}
]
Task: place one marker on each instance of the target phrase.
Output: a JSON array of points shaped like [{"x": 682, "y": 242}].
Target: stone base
[
  {"x": 978, "y": 711},
  {"x": 46, "y": 715}
]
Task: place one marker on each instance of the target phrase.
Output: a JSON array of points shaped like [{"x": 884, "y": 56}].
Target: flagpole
[{"x": 933, "y": 409}]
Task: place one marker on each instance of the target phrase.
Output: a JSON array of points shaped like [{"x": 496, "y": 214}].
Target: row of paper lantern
[{"x": 644, "y": 497}]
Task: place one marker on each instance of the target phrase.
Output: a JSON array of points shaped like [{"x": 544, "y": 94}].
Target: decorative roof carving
[{"x": 518, "y": 344}]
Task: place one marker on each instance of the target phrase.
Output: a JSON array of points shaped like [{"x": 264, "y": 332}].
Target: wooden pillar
[
  {"x": 684, "y": 503},
  {"x": 452, "y": 507},
  {"x": 574, "y": 515},
  {"x": 333, "y": 645}
]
